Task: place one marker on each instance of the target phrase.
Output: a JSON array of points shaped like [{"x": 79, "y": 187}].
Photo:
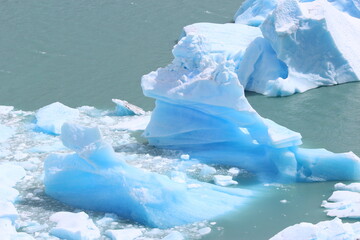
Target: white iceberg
[
  {"x": 50, "y": 118},
  {"x": 344, "y": 202},
  {"x": 74, "y": 226},
  {"x": 316, "y": 41},
  {"x": 94, "y": 178},
  {"x": 334, "y": 230},
  {"x": 5, "y": 133},
  {"x": 201, "y": 108}
]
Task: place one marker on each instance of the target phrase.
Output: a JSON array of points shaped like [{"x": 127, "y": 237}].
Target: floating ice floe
[
  {"x": 123, "y": 108},
  {"x": 201, "y": 107},
  {"x": 74, "y": 226},
  {"x": 334, "y": 230},
  {"x": 9, "y": 175},
  {"x": 344, "y": 202},
  {"x": 50, "y": 118},
  {"x": 94, "y": 178}
]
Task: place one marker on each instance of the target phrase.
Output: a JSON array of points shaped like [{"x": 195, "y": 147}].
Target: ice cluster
[{"x": 201, "y": 107}]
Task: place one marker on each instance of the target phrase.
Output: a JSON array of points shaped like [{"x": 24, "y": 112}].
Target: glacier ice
[
  {"x": 94, "y": 178},
  {"x": 201, "y": 108},
  {"x": 344, "y": 202},
  {"x": 50, "y": 118},
  {"x": 334, "y": 229}
]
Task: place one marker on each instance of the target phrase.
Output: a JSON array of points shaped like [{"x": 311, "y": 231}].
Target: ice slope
[
  {"x": 94, "y": 178},
  {"x": 201, "y": 108}
]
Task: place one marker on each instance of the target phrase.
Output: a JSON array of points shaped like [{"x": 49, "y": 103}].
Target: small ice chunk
[
  {"x": 51, "y": 117},
  {"x": 75, "y": 226},
  {"x": 123, "y": 108},
  {"x": 5, "y": 133},
  {"x": 207, "y": 171},
  {"x": 10, "y": 174},
  {"x": 108, "y": 218},
  {"x": 234, "y": 171},
  {"x": 8, "y": 210},
  {"x": 124, "y": 234},
  {"x": 354, "y": 187},
  {"x": 4, "y": 110},
  {"x": 204, "y": 231},
  {"x": 333, "y": 229},
  {"x": 224, "y": 181},
  {"x": 185, "y": 157},
  {"x": 174, "y": 235},
  {"x": 283, "y": 201},
  {"x": 8, "y": 194}
]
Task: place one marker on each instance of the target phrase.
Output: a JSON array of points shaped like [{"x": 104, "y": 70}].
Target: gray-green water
[{"x": 87, "y": 52}]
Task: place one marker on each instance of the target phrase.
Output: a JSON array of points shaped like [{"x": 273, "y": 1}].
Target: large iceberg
[
  {"x": 201, "y": 109},
  {"x": 325, "y": 33},
  {"x": 94, "y": 178}
]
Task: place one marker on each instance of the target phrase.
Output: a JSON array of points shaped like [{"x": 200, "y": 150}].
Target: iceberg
[
  {"x": 344, "y": 202},
  {"x": 94, "y": 178},
  {"x": 325, "y": 33},
  {"x": 201, "y": 109},
  {"x": 315, "y": 31},
  {"x": 334, "y": 229},
  {"x": 50, "y": 118}
]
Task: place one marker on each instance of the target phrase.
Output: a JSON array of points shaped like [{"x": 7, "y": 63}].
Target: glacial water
[{"x": 88, "y": 52}]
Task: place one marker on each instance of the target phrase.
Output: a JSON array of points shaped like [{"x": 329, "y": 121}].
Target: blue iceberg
[
  {"x": 94, "y": 178},
  {"x": 201, "y": 107}
]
